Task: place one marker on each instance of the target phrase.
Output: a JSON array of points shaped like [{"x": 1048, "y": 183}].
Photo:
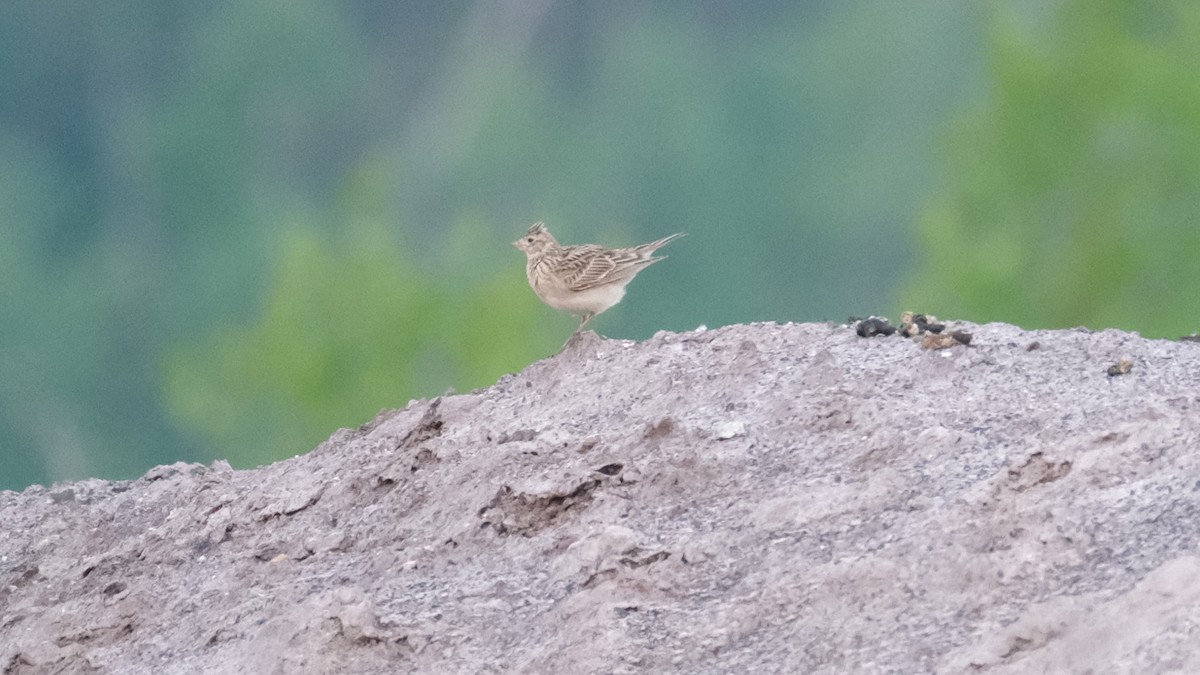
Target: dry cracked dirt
[{"x": 758, "y": 498}]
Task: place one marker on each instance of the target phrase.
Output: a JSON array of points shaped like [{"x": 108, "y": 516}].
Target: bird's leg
[{"x": 583, "y": 321}]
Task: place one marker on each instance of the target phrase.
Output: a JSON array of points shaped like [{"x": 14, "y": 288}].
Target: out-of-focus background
[{"x": 229, "y": 227}]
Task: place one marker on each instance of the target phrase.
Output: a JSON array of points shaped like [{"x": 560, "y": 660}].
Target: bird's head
[{"x": 536, "y": 240}]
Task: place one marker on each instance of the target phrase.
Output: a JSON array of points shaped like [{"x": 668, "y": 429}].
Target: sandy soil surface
[{"x": 766, "y": 498}]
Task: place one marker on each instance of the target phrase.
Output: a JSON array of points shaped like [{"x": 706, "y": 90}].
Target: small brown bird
[{"x": 583, "y": 280}]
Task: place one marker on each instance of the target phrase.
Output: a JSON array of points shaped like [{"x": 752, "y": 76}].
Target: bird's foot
[{"x": 581, "y": 337}]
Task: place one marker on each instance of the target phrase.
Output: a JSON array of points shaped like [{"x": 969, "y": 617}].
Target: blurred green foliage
[
  {"x": 1074, "y": 188},
  {"x": 232, "y": 226},
  {"x": 351, "y": 324}
]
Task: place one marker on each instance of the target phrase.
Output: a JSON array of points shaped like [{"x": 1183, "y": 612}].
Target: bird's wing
[{"x": 588, "y": 266}]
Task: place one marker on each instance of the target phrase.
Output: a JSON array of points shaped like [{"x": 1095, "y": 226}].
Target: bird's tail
[{"x": 647, "y": 249}]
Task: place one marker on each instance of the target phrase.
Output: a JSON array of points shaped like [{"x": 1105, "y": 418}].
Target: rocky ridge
[{"x": 777, "y": 498}]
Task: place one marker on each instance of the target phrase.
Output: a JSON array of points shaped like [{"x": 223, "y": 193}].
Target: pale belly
[{"x": 591, "y": 301}]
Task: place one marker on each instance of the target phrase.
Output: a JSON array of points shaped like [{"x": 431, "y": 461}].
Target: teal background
[{"x": 231, "y": 227}]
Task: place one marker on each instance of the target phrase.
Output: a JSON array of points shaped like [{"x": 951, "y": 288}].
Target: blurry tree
[
  {"x": 1073, "y": 195},
  {"x": 353, "y": 323},
  {"x": 180, "y": 226},
  {"x": 148, "y": 153}
]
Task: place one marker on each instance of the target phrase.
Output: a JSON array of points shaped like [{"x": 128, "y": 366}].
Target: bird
[{"x": 584, "y": 280}]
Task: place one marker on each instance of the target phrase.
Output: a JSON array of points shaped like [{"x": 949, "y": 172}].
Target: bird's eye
[{"x": 530, "y": 240}]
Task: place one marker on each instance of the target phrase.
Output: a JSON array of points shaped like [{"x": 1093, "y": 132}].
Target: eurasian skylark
[{"x": 583, "y": 280}]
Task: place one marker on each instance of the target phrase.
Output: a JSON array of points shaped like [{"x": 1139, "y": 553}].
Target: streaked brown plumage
[{"x": 584, "y": 280}]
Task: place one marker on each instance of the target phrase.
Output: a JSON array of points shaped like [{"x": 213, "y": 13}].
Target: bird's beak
[{"x": 517, "y": 244}]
